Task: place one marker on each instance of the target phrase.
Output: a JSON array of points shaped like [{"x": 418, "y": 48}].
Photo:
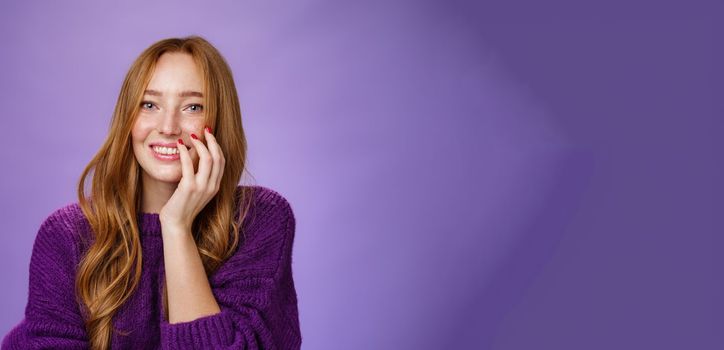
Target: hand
[{"x": 194, "y": 191}]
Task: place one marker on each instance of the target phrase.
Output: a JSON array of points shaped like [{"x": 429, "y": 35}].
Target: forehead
[{"x": 176, "y": 72}]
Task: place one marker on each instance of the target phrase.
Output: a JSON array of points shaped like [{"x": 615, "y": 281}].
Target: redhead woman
[{"x": 166, "y": 249}]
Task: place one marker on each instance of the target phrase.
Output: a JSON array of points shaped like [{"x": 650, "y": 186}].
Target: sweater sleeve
[
  {"x": 254, "y": 289},
  {"x": 52, "y": 317}
]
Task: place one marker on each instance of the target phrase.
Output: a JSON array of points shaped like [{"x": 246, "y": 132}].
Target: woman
[{"x": 167, "y": 251}]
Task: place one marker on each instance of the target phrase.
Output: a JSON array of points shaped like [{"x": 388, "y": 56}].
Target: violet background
[{"x": 464, "y": 175}]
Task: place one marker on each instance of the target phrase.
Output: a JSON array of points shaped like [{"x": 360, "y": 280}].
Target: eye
[
  {"x": 144, "y": 104},
  {"x": 196, "y": 107}
]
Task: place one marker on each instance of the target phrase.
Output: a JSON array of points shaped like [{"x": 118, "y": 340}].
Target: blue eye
[
  {"x": 198, "y": 107},
  {"x": 145, "y": 103}
]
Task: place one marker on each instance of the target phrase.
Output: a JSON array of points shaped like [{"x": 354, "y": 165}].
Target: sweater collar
[{"x": 149, "y": 224}]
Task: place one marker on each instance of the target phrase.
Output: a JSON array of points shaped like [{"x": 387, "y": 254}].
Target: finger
[
  {"x": 205, "y": 162},
  {"x": 218, "y": 156},
  {"x": 187, "y": 167}
]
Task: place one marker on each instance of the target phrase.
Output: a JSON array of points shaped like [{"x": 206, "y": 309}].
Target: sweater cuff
[{"x": 208, "y": 332}]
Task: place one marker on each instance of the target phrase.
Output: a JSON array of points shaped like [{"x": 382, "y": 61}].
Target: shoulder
[
  {"x": 65, "y": 220},
  {"x": 268, "y": 236},
  {"x": 59, "y": 233},
  {"x": 264, "y": 195},
  {"x": 268, "y": 207}
]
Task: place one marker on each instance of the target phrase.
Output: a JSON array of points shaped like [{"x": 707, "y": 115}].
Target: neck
[{"x": 155, "y": 194}]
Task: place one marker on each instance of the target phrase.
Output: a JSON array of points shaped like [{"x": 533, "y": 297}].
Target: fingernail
[
  {"x": 193, "y": 136},
  {"x": 207, "y": 129},
  {"x": 181, "y": 141}
]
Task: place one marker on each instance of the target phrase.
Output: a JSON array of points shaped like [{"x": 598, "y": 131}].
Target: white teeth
[{"x": 166, "y": 150}]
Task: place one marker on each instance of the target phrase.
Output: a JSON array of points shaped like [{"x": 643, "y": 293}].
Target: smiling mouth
[{"x": 166, "y": 151}]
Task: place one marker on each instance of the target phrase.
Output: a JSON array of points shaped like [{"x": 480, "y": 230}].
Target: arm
[
  {"x": 52, "y": 317},
  {"x": 189, "y": 292},
  {"x": 254, "y": 291}
]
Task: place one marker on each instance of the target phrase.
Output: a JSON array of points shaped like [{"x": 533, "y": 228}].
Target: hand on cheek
[{"x": 197, "y": 187}]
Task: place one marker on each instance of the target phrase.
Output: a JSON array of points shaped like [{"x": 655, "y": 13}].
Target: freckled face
[{"x": 172, "y": 109}]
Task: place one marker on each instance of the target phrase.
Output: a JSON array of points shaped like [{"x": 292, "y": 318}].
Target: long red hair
[{"x": 110, "y": 270}]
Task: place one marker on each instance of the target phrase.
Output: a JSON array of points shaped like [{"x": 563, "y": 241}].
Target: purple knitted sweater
[{"x": 254, "y": 288}]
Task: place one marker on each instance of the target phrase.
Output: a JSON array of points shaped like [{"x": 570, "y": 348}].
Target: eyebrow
[{"x": 180, "y": 94}]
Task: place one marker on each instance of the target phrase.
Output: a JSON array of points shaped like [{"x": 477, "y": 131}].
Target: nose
[{"x": 169, "y": 124}]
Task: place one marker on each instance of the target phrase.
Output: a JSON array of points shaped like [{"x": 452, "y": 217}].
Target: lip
[{"x": 161, "y": 144}]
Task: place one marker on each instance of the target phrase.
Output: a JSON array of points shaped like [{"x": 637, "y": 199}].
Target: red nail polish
[
  {"x": 181, "y": 141},
  {"x": 208, "y": 129},
  {"x": 193, "y": 136}
]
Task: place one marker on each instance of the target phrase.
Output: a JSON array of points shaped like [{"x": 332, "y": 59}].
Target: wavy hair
[{"x": 110, "y": 269}]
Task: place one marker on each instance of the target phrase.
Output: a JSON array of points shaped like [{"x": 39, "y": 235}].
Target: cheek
[
  {"x": 138, "y": 136},
  {"x": 194, "y": 126},
  {"x": 140, "y": 131}
]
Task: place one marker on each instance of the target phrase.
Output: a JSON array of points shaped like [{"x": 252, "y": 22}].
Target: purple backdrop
[{"x": 464, "y": 176}]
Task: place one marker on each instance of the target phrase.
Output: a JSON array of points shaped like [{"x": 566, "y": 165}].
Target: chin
[{"x": 170, "y": 177}]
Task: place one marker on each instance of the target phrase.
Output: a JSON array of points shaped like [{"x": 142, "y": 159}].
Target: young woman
[{"x": 167, "y": 251}]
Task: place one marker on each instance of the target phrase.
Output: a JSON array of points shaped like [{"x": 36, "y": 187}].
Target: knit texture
[{"x": 254, "y": 288}]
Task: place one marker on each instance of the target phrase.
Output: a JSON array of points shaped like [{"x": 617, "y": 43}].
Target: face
[{"x": 172, "y": 108}]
